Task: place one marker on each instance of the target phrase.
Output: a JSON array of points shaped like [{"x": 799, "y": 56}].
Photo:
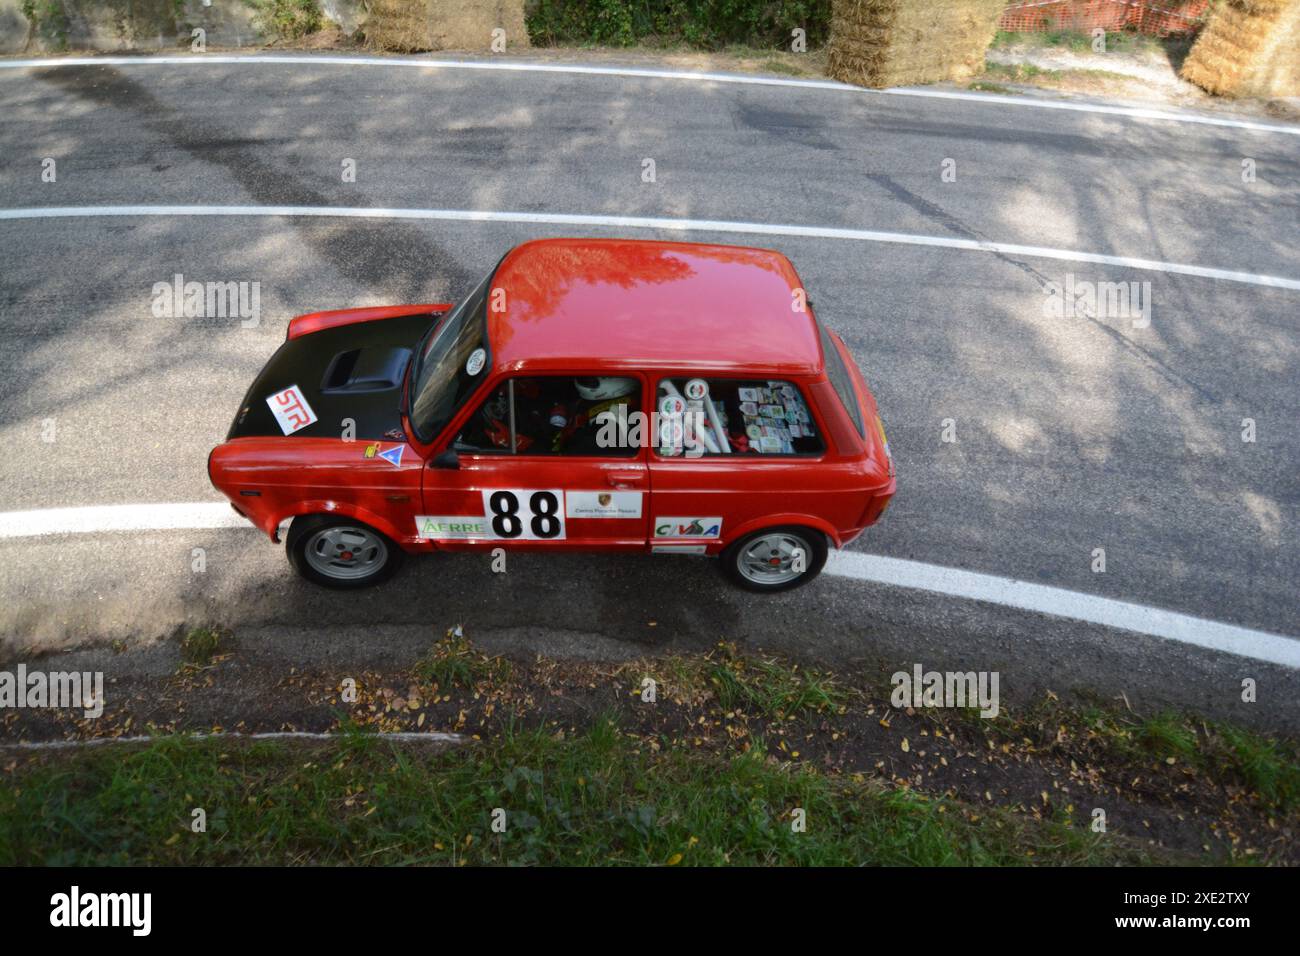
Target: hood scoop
[{"x": 372, "y": 369}]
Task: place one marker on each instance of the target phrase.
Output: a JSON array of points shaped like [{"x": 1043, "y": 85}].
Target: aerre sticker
[
  {"x": 602, "y": 504},
  {"x": 474, "y": 364},
  {"x": 452, "y": 527},
  {"x": 371, "y": 450},
  {"x": 688, "y": 527},
  {"x": 291, "y": 410}
]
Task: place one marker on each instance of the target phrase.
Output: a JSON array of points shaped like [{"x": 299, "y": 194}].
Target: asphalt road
[{"x": 1072, "y": 433}]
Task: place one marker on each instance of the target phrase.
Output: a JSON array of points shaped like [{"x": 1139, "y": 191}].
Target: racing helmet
[
  {"x": 598, "y": 389},
  {"x": 496, "y": 408}
]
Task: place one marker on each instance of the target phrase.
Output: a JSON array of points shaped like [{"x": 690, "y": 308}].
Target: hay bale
[
  {"x": 414, "y": 26},
  {"x": 1249, "y": 48},
  {"x": 901, "y": 42}
]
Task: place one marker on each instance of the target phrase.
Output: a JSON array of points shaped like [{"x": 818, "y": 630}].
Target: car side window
[
  {"x": 556, "y": 415},
  {"x": 719, "y": 416}
]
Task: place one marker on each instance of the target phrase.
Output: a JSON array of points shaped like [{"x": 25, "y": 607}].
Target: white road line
[
  {"x": 101, "y": 518},
  {"x": 988, "y": 588},
  {"x": 1129, "y": 112},
  {"x": 656, "y": 223},
  {"x": 402, "y": 735},
  {"x": 1075, "y": 605}
]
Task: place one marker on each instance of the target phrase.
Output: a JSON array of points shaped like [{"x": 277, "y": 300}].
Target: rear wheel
[
  {"x": 775, "y": 559},
  {"x": 339, "y": 552}
]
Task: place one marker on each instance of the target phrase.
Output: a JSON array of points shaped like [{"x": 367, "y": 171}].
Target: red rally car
[{"x": 599, "y": 395}]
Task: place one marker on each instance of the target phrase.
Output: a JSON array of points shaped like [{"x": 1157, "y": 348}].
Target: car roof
[{"x": 603, "y": 304}]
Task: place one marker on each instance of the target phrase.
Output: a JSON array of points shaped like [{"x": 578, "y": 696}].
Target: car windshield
[{"x": 450, "y": 365}]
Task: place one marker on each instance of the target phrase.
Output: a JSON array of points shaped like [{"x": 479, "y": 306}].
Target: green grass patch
[
  {"x": 780, "y": 66},
  {"x": 49, "y": 21},
  {"x": 200, "y": 646},
  {"x": 1019, "y": 71},
  {"x": 982, "y": 87},
  {"x": 598, "y": 798},
  {"x": 287, "y": 19},
  {"x": 771, "y": 688},
  {"x": 1230, "y": 754},
  {"x": 699, "y": 24},
  {"x": 455, "y": 662},
  {"x": 1080, "y": 41}
]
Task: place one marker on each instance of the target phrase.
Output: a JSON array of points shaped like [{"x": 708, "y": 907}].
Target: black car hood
[{"x": 352, "y": 371}]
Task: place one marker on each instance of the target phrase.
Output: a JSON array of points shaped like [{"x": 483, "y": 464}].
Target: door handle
[{"x": 624, "y": 480}]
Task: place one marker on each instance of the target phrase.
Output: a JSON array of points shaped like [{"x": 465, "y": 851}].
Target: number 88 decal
[{"x": 524, "y": 513}]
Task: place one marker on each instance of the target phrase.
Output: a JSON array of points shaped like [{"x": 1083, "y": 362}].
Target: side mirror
[{"x": 446, "y": 459}]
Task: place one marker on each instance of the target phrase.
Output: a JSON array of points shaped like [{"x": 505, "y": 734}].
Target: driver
[{"x": 577, "y": 427}]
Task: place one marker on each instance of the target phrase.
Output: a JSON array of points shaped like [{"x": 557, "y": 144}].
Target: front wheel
[
  {"x": 775, "y": 559},
  {"x": 339, "y": 552}
]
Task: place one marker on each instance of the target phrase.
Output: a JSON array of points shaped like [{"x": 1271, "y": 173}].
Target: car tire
[
  {"x": 338, "y": 552},
  {"x": 769, "y": 554}
]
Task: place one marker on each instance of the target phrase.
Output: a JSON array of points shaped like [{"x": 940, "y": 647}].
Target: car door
[
  {"x": 730, "y": 453},
  {"x": 536, "y": 470}
]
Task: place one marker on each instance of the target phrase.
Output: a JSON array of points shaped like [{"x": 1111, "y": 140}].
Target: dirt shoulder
[
  {"x": 1162, "y": 783},
  {"x": 1140, "y": 72}
]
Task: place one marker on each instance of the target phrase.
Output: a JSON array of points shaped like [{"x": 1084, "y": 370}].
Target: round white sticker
[
  {"x": 696, "y": 389},
  {"x": 671, "y": 405},
  {"x": 475, "y": 363}
]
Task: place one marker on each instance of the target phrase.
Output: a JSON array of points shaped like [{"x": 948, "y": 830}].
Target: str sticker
[
  {"x": 602, "y": 504},
  {"x": 688, "y": 527},
  {"x": 394, "y": 455},
  {"x": 291, "y": 410}
]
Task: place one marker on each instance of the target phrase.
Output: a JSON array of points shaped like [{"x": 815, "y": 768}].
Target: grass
[
  {"x": 1172, "y": 48},
  {"x": 761, "y": 686},
  {"x": 1020, "y": 71},
  {"x": 1079, "y": 41},
  {"x": 1231, "y": 754},
  {"x": 675, "y": 788},
  {"x": 200, "y": 646},
  {"x": 287, "y": 19},
  {"x": 1029, "y": 73},
  {"x": 780, "y": 66},
  {"x": 597, "y": 798},
  {"x": 454, "y": 662}
]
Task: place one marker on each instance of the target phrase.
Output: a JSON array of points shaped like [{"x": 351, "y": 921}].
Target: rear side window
[
  {"x": 717, "y": 416},
  {"x": 842, "y": 381}
]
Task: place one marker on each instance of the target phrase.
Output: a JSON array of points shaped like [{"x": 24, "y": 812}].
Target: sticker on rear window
[{"x": 291, "y": 410}]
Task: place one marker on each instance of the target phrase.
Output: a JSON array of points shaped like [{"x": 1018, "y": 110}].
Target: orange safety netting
[{"x": 1155, "y": 18}]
